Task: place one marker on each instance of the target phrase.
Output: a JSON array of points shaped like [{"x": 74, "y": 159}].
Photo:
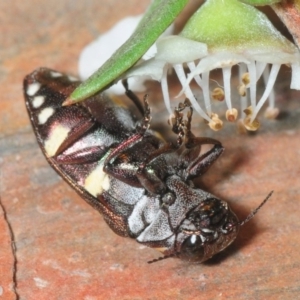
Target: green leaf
[
  {"x": 260, "y": 2},
  {"x": 156, "y": 20},
  {"x": 232, "y": 26}
]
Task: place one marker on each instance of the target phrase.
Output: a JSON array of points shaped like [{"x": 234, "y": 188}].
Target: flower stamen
[
  {"x": 188, "y": 92},
  {"x": 251, "y": 125},
  {"x": 165, "y": 89},
  {"x": 231, "y": 115},
  {"x": 215, "y": 123},
  {"x": 218, "y": 94},
  {"x": 227, "y": 88},
  {"x": 268, "y": 90}
]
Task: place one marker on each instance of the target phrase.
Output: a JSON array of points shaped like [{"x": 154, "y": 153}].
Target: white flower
[
  {"x": 221, "y": 34},
  {"x": 172, "y": 51},
  {"x": 94, "y": 55}
]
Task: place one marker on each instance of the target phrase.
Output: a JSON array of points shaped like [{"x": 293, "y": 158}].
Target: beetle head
[{"x": 208, "y": 229}]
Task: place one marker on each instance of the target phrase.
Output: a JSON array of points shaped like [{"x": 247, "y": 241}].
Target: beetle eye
[{"x": 192, "y": 249}]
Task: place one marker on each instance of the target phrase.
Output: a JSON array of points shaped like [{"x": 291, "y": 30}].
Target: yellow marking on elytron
[
  {"x": 55, "y": 74},
  {"x": 45, "y": 114},
  {"x": 37, "y": 101},
  {"x": 33, "y": 88},
  {"x": 56, "y": 138},
  {"x": 161, "y": 249},
  {"x": 97, "y": 181}
]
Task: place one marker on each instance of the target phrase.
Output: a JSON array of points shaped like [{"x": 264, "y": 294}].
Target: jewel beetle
[{"x": 141, "y": 185}]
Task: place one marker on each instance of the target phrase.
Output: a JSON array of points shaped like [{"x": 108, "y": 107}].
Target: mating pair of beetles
[{"x": 141, "y": 185}]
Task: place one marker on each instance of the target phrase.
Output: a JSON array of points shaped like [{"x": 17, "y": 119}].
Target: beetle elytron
[{"x": 141, "y": 185}]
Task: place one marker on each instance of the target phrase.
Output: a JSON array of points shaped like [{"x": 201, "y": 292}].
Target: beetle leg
[
  {"x": 141, "y": 129},
  {"x": 83, "y": 156},
  {"x": 92, "y": 154},
  {"x": 118, "y": 162},
  {"x": 197, "y": 165},
  {"x": 146, "y": 176},
  {"x": 150, "y": 181},
  {"x": 119, "y": 165},
  {"x": 202, "y": 163},
  {"x": 180, "y": 127},
  {"x": 75, "y": 133},
  {"x": 133, "y": 97}
]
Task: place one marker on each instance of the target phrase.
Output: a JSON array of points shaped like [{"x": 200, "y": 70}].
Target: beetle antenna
[
  {"x": 253, "y": 213},
  {"x": 161, "y": 258}
]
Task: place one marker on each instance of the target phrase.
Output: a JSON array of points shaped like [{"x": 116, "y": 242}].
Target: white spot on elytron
[
  {"x": 97, "y": 181},
  {"x": 72, "y": 78},
  {"x": 33, "y": 88},
  {"x": 55, "y": 139},
  {"x": 203, "y": 239},
  {"x": 45, "y": 114},
  {"x": 41, "y": 283},
  {"x": 193, "y": 239},
  {"x": 38, "y": 101},
  {"x": 55, "y": 74},
  {"x": 207, "y": 230}
]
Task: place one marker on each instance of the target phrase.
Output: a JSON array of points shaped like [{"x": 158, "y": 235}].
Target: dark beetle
[{"x": 141, "y": 185}]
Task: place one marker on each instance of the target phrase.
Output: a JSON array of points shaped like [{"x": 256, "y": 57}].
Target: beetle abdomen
[{"x": 77, "y": 139}]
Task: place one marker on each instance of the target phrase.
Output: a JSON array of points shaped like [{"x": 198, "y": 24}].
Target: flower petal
[
  {"x": 215, "y": 61},
  {"x": 94, "y": 55},
  {"x": 295, "y": 83},
  {"x": 177, "y": 50},
  {"x": 152, "y": 68}
]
